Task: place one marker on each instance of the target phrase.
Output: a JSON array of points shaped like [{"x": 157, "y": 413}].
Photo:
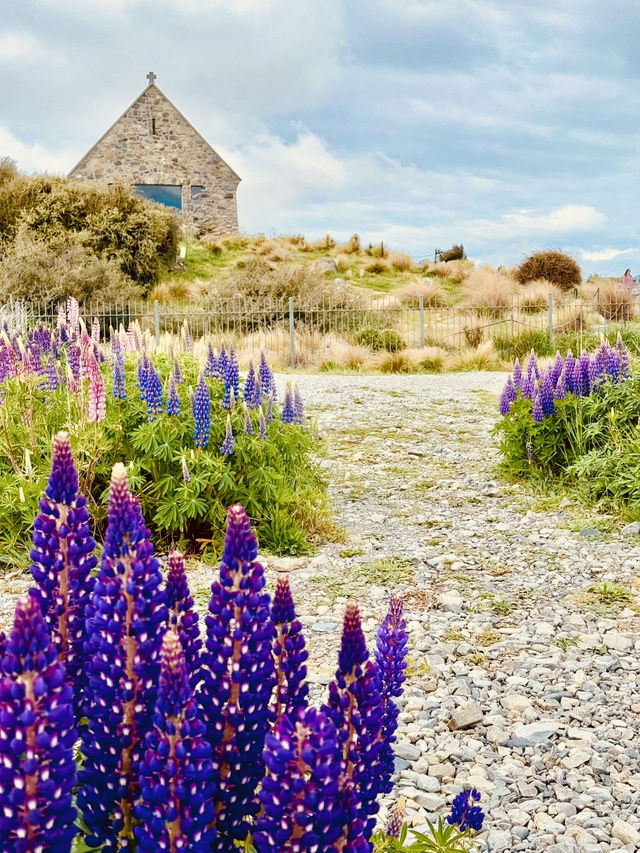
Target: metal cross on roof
[{"x": 151, "y": 77}]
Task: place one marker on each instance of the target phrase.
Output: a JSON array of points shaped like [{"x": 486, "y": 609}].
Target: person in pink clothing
[{"x": 627, "y": 280}]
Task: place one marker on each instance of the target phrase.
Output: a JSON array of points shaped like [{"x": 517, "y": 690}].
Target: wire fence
[{"x": 285, "y": 327}]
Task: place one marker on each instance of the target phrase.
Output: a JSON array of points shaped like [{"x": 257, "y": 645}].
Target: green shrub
[
  {"x": 380, "y": 339},
  {"x": 556, "y": 267},
  {"x": 510, "y": 347},
  {"x": 455, "y": 253},
  {"x": 277, "y": 479}
]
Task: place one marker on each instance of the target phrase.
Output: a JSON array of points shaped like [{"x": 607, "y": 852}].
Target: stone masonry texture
[{"x": 153, "y": 143}]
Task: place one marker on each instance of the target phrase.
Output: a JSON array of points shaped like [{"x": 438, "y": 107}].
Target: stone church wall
[{"x": 152, "y": 143}]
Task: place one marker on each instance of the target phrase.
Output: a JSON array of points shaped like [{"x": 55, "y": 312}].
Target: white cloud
[
  {"x": 34, "y": 157},
  {"x": 604, "y": 254},
  {"x": 522, "y": 223},
  {"x": 19, "y": 46}
]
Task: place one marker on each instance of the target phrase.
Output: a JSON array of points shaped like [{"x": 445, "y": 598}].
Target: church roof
[{"x": 151, "y": 86}]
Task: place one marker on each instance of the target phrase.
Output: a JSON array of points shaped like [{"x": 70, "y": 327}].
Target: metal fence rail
[{"x": 287, "y": 327}]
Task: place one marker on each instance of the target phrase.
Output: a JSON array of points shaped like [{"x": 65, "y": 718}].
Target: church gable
[{"x": 153, "y": 148}]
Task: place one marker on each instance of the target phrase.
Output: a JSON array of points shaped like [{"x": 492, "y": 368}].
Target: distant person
[{"x": 627, "y": 280}]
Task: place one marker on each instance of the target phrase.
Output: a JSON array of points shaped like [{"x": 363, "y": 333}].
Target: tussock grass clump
[
  {"x": 400, "y": 261},
  {"x": 510, "y": 347},
  {"x": 611, "y": 299},
  {"x": 400, "y": 361},
  {"x": 432, "y": 359},
  {"x": 380, "y": 339},
  {"x": 377, "y": 265},
  {"x": 489, "y": 292},
  {"x": 534, "y": 296},
  {"x": 558, "y": 268},
  {"x": 482, "y": 357},
  {"x": 433, "y": 293},
  {"x": 455, "y": 270}
]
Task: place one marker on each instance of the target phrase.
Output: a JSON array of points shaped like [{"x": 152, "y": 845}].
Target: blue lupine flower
[
  {"x": 391, "y": 661},
  {"x": 183, "y": 617},
  {"x": 256, "y": 399},
  {"x": 561, "y": 387},
  {"x": 233, "y": 372},
  {"x": 124, "y": 635},
  {"x": 37, "y": 736},
  {"x": 62, "y": 559},
  {"x": 188, "y": 341},
  {"x": 301, "y": 799},
  {"x": 536, "y": 407},
  {"x": 269, "y": 410},
  {"x": 569, "y": 370},
  {"x": 611, "y": 362},
  {"x": 288, "y": 412},
  {"x": 289, "y": 654},
  {"x": 173, "y": 400},
  {"x": 396, "y": 819},
  {"x": 201, "y": 414},
  {"x": 228, "y": 445},
  {"x": 585, "y": 371},
  {"x": 262, "y": 425},
  {"x": 298, "y": 406},
  {"x": 248, "y": 426},
  {"x": 176, "y": 772},
  {"x": 154, "y": 392},
  {"x": 355, "y": 706},
  {"x": 177, "y": 374},
  {"x": 53, "y": 378},
  {"x": 528, "y": 387},
  {"x": 508, "y": 397},
  {"x": 623, "y": 358},
  {"x": 250, "y": 387},
  {"x": 265, "y": 374},
  {"x": 238, "y": 678},
  {"x": 579, "y": 388},
  {"x": 546, "y": 394},
  {"x": 556, "y": 370},
  {"x": 223, "y": 363},
  {"x": 211, "y": 366},
  {"x": 464, "y": 814},
  {"x": 119, "y": 391},
  {"x": 143, "y": 376},
  {"x": 532, "y": 366}
]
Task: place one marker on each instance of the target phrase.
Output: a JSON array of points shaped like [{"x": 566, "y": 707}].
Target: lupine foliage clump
[
  {"x": 194, "y": 436},
  {"x": 575, "y": 424},
  {"x": 183, "y": 748}
]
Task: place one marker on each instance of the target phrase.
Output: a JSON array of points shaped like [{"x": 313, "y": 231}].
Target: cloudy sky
[{"x": 506, "y": 125}]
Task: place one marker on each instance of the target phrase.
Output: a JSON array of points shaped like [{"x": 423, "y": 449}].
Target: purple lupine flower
[
  {"x": 561, "y": 387},
  {"x": 211, "y": 366},
  {"x": 611, "y": 361},
  {"x": 396, "y": 819},
  {"x": 73, "y": 360},
  {"x": 301, "y": 800},
  {"x": 154, "y": 392},
  {"x": 288, "y": 411},
  {"x": 238, "y": 678},
  {"x": 578, "y": 385},
  {"x": 556, "y": 370},
  {"x": 37, "y": 736},
  {"x": 223, "y": 362},
  {"x": 62, "y": 559},
  {"x": 176, "y": 772},
  {"x": 265, "y": 374},
  {"x": 183, "y": 617},
  {"x": 517, "y": 375},
  {"x": 569, "y": 369},
  {"x": 269, "y": 411},
  {"x": 201, "y": 414},
  {"x": 188, "y": 342},
  {"x": 248, "y": 426},
  {"x": 585, "y": 365},
  {"x": 262, "y": 425},
  {"x": 508, "y": 397},
  {"x": 256, "y": 400},
  {"x": 536, "y": 406},
  {"x": 289, "y": 654},
  {"x": 173, "y": 401},
  {"x": 250, "y": 387},
  {"x": 532, "y": 366},
  {"x": 596, "y": 366},
  {"x": 53, "y": 378},
  {"x": 623, "y": 358},
  {"x": 355, "y": 706},
  {"x": 546, "y": 394},
  {"x": 119, "y": 391},
  {"x": 528, "y": 387},
  {"x": 391, "y": 661},
  {"x": 464, "y": 814},
  {"x": 126, "y": 616},
  {"x": 228, "y": 401},
  {"x": 186, "y": 476},
  {"x": 34, "y": 360},
  {"x": 177, "y": 374},
  {"x": 143, "y": 376},
  {"x": 228, "y": 445},
  {"x": 298, "y": 406}
]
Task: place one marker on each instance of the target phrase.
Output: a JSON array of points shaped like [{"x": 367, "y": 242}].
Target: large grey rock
[
  {"x": 467, "y": 716},
  {"x": 632, "y": 529},
  {"x": 626, "y": 833},
  {"x": 325, "y": 265},
  {"x": 536, "y": 732}
]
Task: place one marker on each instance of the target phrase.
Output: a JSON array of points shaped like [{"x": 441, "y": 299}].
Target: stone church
[{"x": 155, "y": 149}]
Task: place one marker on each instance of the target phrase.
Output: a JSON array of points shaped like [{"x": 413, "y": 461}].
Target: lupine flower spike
[
  {"x": 176, "y": 773},
  {"x": 62, "y": 561},
  {"x": 508, "y": 397},
  {"x": 37, "y": 735},
  {"x": 228, "y": 445},
  {"x": 248, "y": 426},
  {"x": 183, "y": 617},
  {"x": 125, "y": 619},
  {"x": 391, "y": 661},
  {"x": 300, "y": 796},
  {"x": 265, "y": 375},
  {"x": 97, "y": 406},
  {"x": 536, "y": 406},
  {"x": 288, "y": 412},
  {"x": 464, "y": 814},
  {"x": 396, "y": 819},
  {"x": 289, "y": 654},
  {"x": 173, "y": 401},
  {"x": 250, "y": 386},
  {"x": 262, "y": 425},
  {"x": 298, "y": 406},
  {"x": 201, "y": 414},
  {"x": 355, "y": 706},
  {"x": 238, "y": 678}
]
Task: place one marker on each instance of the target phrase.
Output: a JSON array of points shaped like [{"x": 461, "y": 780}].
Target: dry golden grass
[
  {"x": 488, "y": 291},
  {"x": 178, "y": 291},
  {"x": 456, "y": 270},
  {"x": 610, "y": 298},
  {"x": 343, "y": 262},
  {"x": 474, "y": 329},
  {"x": 402, "y": 361},
  {"x": 400, "y": 261},
  {"x": 432, "y": 291},
  {"x": 535, "y": 296},
  {"x": 482, "y": 357},
  {"x": 377, "y": 265}
]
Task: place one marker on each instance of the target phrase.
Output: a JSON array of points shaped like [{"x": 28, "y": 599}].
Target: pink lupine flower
[{"x": 97, "y": 408}]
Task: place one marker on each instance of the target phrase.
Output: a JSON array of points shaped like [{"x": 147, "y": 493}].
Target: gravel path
[{"x": 523, "y": 683}]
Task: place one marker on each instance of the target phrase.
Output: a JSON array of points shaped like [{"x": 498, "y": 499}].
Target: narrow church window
[
  {"x": 196, "y": 191},
  {"x": 168, "y": 194},
  {"x": 153, "y": 127}
]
